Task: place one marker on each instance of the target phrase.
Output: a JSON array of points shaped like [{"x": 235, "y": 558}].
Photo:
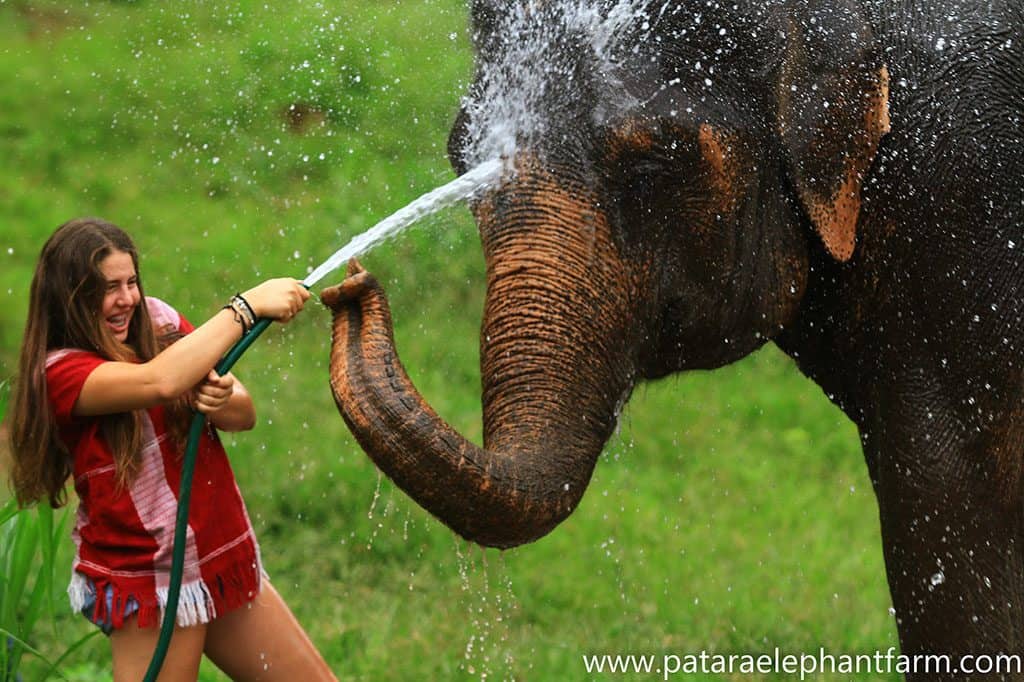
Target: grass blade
[
  {"x": 8, "y": 511},
  {"x": 54, "y": 667},
  {"x": 48, "y": 543}
]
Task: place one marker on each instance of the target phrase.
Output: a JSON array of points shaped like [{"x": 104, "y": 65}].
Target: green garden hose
[{"x": 184, "y": 494}]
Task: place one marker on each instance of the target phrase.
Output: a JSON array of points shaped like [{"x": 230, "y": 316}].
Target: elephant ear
[{"x": 833, "y": 109}]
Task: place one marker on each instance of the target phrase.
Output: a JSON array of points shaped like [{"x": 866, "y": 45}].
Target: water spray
[{"x": 462, "y": 187}]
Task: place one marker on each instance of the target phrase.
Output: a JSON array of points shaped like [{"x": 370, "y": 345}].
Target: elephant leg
[{"x": 954, "y": 555}]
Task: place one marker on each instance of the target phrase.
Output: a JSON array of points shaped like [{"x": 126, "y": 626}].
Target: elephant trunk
[{"x": 555, "y": 371}]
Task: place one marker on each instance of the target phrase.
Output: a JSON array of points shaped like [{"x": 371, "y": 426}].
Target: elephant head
[{"x": 673, "y": 171}]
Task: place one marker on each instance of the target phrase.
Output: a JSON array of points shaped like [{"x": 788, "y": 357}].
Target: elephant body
[
  {"x": 919, "y": 338},
  {"x": 843, "y": 179}
]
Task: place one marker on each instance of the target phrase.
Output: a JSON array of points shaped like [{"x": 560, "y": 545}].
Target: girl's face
[{"x": 121, "y": 297}]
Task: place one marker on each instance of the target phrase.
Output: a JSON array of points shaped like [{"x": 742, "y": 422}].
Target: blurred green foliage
[
  {"x": 29, "y": 542},
  {"x": 238, "y": 140}
]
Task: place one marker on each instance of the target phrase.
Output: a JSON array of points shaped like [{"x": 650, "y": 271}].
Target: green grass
[
  {"x": 731, "y": 513},
  {"x": 30, "y": 540}
]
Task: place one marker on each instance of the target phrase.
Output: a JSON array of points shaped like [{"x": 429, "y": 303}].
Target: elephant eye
[
  {"x": 644, "y": 181},
  {"x": 640, "y": 187},
  {"x": 636, "y": 202}
]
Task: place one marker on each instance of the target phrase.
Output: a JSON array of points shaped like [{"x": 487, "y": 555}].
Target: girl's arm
[{"x": 123, "y": 386}]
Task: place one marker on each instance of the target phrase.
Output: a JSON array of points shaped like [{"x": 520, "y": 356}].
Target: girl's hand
[
  {"x": 279, "y": 299},
  {"x": 214, "y": 392}
]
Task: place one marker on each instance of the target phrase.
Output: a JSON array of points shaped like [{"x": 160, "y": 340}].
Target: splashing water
[
  {"x": 504, "y": 109},
  {"x": 462, "y": 187},
  {"x": 567, "y": 39},
  {"x": 490, "y": 604}
]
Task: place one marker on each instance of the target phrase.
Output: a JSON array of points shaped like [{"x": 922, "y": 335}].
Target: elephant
[{"x": 842, "y": 179}]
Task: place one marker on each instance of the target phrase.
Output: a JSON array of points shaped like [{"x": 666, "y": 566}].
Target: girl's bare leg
[
  {"x": 263, "y": 641},
  {"x": 132, "y": 648}
]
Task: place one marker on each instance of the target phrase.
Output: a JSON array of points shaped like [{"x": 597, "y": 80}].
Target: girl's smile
[{"x": 122, "y": 294}]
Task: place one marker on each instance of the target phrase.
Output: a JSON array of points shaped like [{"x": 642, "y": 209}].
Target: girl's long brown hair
[{"x": 65, "y": 301}]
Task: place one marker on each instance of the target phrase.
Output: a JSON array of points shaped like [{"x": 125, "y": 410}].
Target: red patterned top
[{"x": 125, "y": 535}]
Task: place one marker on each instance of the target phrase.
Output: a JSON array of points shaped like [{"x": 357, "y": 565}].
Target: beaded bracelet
[
  {"x": 245, "y": 309},
  {"x": 239, "y": 317}
]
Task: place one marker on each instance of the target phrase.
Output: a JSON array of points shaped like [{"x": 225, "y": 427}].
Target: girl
[{"x": 107, "y": 380}]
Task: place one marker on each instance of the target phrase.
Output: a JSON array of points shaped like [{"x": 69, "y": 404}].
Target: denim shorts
[{"x": 105, "y": 624}]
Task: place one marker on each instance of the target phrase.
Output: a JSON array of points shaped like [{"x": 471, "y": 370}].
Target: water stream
[{"x": 459, "y": 189}]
